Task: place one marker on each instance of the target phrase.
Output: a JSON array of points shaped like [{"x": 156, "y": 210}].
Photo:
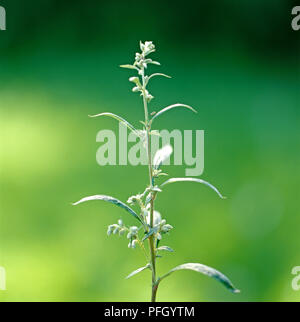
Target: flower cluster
[
  {"x": 140, "y": 64},
  {"x": 117, "y": 228},
  {"x": 132, "y": 232},
  {"x": 133, "y": 236}
]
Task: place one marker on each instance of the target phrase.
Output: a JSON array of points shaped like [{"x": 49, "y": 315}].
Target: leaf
[
  {"x": 120, "y": 119},
  {"x": 193, "y": 180},
  {"x": 166, "y": 248},
  {"x": 150, "y": 233},
  {"x": 157, "y": 74},
  {"x": 128, "y": 66},
  {"x": 206, "y": 270},
  {"x": 138, "y": 271},
  {"x": 161, "y": 155},
  {"x": 168, "y": 108},
  {"x": 156, "y": 189},
  {"x": 111, "y": 200}
]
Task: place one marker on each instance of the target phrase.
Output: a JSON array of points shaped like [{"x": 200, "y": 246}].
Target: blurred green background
[{"x": 236, "y": 62}]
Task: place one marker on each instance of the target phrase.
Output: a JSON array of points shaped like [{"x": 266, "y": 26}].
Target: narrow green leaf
[
  {"x": 138, "y": 271},
  {"x": 120, "y": 119},
  {"x": 111, "y": 200},
  {"x": 128, "y": 66},
  {"x": 206, "y": 270},
  {"x": 193, "y": 180},
  {"x": 157, "y": 74},
  {"x": 166, "y": 248},
  {"x": 150, "y": 233},
  {"x": 155, "y": 189},
  {"x": 168, "y": 108}
]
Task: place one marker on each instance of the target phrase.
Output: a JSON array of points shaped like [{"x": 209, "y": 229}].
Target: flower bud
[
  {"x": 110, "y": 230},
  {"x": 135, "y": 89},
  {"x": 134, "y": 242},
  {"x": 166, "y": 228},
  {"x": 134, "y": 79},
  {"x": 149, "y": 97},
  {"x": 120, "y": 222},
  {"x": 133, "y": 230},
  {"x": 163, "y": 222}
]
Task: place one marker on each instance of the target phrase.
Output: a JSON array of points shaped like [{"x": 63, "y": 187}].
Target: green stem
[{"x": 151, "y": 238}]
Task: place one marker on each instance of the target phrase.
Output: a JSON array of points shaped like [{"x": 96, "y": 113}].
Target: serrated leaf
[
  {"x": 193, "y": 180},
  {"x": 206, "y": 270},
  {"x": 111, "y": 200},
  {"x": 128, "y": 66},
  {"x": 138, "y": 271},
  {"x": 161, "y": 155},
  {"x": 120, "y": 119},
  {"x": 168, "y": 108},
  {"x": 165, "y": 248}
]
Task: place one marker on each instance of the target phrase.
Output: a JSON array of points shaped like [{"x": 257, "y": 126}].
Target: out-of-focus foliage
[{"x": 237, "y": 63}]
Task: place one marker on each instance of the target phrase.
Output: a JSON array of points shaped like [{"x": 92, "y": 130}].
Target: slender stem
[{"x": 151, "y": 238}]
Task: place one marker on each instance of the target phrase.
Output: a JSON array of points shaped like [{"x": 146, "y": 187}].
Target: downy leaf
[
  {"x": 138, "y": 271},
  {"x": 161, "y": 155},
  {"x": 168, "y": 108},
  {"x": 111, "y": 200},
  {"x": 193, "y": 180},
  {"x": 166, "y": 248},
  {"x": 206, "y": 270},
  {"x": 128, "y": 66},
  {"x": 120, "y": 119}
]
